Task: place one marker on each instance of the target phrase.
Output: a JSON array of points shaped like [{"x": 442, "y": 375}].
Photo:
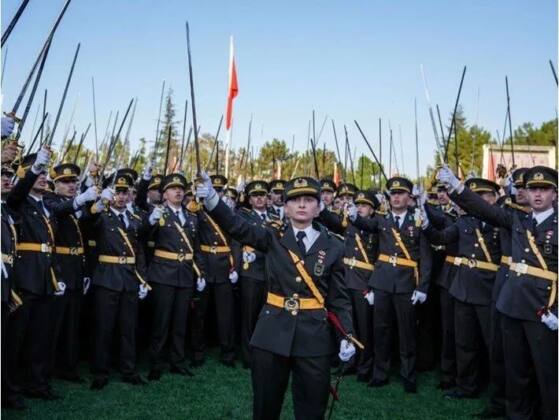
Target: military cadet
[
  {"x": 479, "y": 253},
  {"x": 361, "y": 252},
  {"x": 252, "y": 271},
  {"x": 118, "y": 281},
  {"x": 232, "y": 196},
  {"x": 220, "y": 278},
  {"x": 443, "y": 214},
  {"x": 36, "y": 279},
  {"x": 527, "y": 300},
  {"x": 292, "y": 334},
  {"x": 10, "y": 300},
  {"x": 327, "y": 190},
  {"x": 346, "y": 192},
  {"x": 64, "y": 204},
  {"x": 399, "y": 281},
  {"x": 176, "y": 269},
  {"x": 277, "y": 186}
]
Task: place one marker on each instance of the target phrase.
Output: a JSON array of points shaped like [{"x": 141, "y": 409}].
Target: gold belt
[
  {"x": 473, "y": 263},
  {"x": 64, "y": 250},
  {"x": 112, "y": 259},
  {"x": 392, "y": 259},
  {"x": 33, "y": 247},
  {"x": 506, "y": 260},
  {"x": 521, "y": 268},
  {"x": 172, "y": 255},
  {"x": 215, "y": 249},
  {"x": 293, "y": 303},
  {"x": 8, "y": 259},
  {"x": 352, "y": 262}
]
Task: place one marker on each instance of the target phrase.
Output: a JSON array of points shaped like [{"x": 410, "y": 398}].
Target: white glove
[
  {"x": 8, "y": 124},
  {"x": 550, "y": 320},
  {"x": 200, "y": 284},
  {"x": 99, "y": 206},
  {"x": 347, "y": 350},
  {"x": 146, "y": 175},
  {"x": 249, "y": 257},
  {"x": 229, "y": 201},
  {"x": 352, "y": 212},
  {"x": 88, "y": 182},
  {"x": 90, "y": 194},
  {"x": 155, "y": 215},
  {"x": 370, "y": 297},
  {"x": 206, "y": 189},
  {"x": 86, "y": 284},
  {"x": 42, "y": 160},
  {"x": 446, "y": 176},
  {"x": 107, "y": 195},
  {"x": 422, "y": 215},
  {"x": 61, "y": 288},
  {"x": 418, "y": 296},
  {"x": 241, "y": 187},
  {"x": 143, "y": 292},
  {"x": 233, "y": 277}
]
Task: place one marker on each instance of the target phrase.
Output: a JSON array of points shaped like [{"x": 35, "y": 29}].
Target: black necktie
[
  {"x": 300, "y": 236},
  {"x": 534, "y": 224},
  {"x": 178, "y": 213},
  {"x": 397, "y": 221},
  {"x": 122, "y": 222},
  {"x": 263, "y": 217}
]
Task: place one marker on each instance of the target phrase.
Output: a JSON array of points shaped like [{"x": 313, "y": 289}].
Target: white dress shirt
[
  {"x": 541, "y": 216},
  {"x": 311, "y": 236},
  {"x": 123, "y": 212},
  {"x": 401, "y": 216},
  {"x": 180, "y": 214},
  {"x": 41, "y": 203}
]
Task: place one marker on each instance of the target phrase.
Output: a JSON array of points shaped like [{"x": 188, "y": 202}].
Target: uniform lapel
[
  {"x": 320, "y": 244},
  {"x": 288, "y": 241}
]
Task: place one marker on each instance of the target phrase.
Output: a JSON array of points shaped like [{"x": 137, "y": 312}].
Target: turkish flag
[{"x": 233, "y": 89}]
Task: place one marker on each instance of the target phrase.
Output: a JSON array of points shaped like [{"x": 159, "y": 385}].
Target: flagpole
[{"x": 227, "y": 151}]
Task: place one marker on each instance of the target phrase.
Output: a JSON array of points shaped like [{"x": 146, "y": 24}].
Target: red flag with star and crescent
[{"x": 233, "y": 89}]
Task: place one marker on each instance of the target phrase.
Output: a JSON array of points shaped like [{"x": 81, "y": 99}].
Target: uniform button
[
  {"x": 356, "y": 249},
  {"x": 473, "y": 255},
  {"x": 293, "y": 313},
  {"x": 526, "y": 250},
  {"x": 295, "y": 296},
  {"x": 298, "y": 279},
  {"x": 523, "y": 261},
  {"x": 476, "y": 245},
  {"x": 548, "y": 287}
]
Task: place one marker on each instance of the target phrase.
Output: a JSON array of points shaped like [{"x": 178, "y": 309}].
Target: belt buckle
[
  {"x": 472, "y": 263},
  {"x": 45, "y": 248},
  {"x": 122, "y": 260},
  {"x": 352, "y": 262},
  {"x": 292, "y": 305},
  {"x": 213, "y": 249},
  {"x": 73, "y": 251},
  {"x": 521, "y": 268},
  {"x": 392, "y": 260},
  {"x": 457, "y": 261},
  {"x": 181, "y": 257},
  {"x": 9, "y": 259}
]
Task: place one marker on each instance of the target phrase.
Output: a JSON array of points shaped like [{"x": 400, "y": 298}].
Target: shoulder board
[
  {"x": 508, "y": 202},
  {"x": 432, "y": 202},
  {"x": 134, "y": 215},
  {"x": 381, "y": 213},
  {"x": 336, "y": 211},
  {"x": 335, "y": 235},
  {"x": 244, "y": 210}
]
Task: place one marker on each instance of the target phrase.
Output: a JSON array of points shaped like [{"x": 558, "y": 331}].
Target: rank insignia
[
  {"x": 547, "y": 249},
  {"x": 319, "y": 268}
]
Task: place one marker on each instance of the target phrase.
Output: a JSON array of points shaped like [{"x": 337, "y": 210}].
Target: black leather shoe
[
  {"x": 363, "y": 377},
  {"x": 14, "y": 403},
  {"x": 445, "y": 385},
  {"x": 134, "y": 379},
  {"x": 410, "y": 387},
  {"x": 228, "y": 363},
  {"x": 46, "y": 394},
  {"x": 490, "y": 413},
  {"x": 377, "y": 383},
  {"x": 99, "y": 383},
  {"x": 177, "y": 370},
  {"x": 154, "y": 375},
  {"x": 458, "y": 395},
  {"x": 71, "y": 377},
  {"x": 197, "y": 363}
]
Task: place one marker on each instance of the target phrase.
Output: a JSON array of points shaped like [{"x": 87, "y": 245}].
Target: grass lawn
[{"x": 217, "y": 392}]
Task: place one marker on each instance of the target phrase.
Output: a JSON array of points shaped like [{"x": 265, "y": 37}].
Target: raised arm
[
  {"x": 20, "y": 191},
  {"x": 476, "y": 206},
  {"x": 242, "y": 231},
  {"x": 332, "y": 221}
]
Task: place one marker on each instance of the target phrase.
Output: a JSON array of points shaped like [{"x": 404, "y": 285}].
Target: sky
[{"x": 348, "y": 60}]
